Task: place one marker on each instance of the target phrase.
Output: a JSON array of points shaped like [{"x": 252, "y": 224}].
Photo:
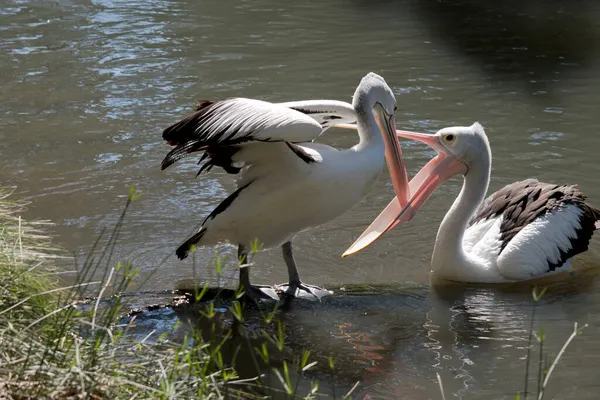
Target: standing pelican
[
  {"x": 525, "y": 230},
  {"x": 287, "y": 184}
]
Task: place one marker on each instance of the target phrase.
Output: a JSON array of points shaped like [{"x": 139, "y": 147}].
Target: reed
[{"x": 73, "y": 341}]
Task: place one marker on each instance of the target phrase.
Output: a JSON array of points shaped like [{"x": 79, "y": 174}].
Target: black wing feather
[
  {"x": 182, "y": 151},
  {"x": 184, "y": 136},
  {"x": 301, "y": 153}
]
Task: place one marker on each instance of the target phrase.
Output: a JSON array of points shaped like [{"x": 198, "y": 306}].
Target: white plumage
[
  {"x": 239, "y": 118},
  {"x": 240, "y": 121},
  {"x": 286, "y": 183},
  {"x": 540, "y": 243},
  {"x": 528, "y": 254},
  {"x": 283, "y": 195}
]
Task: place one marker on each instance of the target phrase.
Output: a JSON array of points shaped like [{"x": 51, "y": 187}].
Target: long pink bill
[
  {"x": 428, "y": 179},
  {"x": 393, "y": 155},
  {"x": 399, "y": 132},
  {"x": 388, "y": 218}
]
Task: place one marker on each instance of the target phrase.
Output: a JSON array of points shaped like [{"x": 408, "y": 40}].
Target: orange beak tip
[
  {"x": 362, "y": 243},
  {"x": 347, "y": 253}
]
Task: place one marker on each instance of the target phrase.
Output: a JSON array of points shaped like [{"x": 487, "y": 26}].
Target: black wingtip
[
  {"x": 166, "y": 163},
  {"x": 171, "y": 158},
  {"x": 184, "y": 250},
  {"x": 595, "y": 214},
  {"x": 181, "y": 151}
]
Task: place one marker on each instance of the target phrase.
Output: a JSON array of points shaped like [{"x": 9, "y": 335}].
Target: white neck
[
  {"x": 368, "y": 130},
  {"x": 449, "y": 259}
]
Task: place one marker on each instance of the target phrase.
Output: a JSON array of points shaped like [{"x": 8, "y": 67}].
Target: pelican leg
[
  {"x": 295, "y": 287},
  {"x": 252, "y": 292}
]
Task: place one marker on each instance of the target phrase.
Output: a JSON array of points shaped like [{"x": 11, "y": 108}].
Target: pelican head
[
  {"x": 374, "y": 93},
  {"x": 459, "y": 150},
  {"x": 466, "y": 144}
]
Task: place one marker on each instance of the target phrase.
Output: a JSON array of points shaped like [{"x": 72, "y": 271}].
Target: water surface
[{"x": 88, "y": 86}]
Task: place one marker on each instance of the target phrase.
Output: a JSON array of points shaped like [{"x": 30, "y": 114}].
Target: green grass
[
  {"x": 50, "y": 347},
  {"x": 54, "y": 344},
  {"x": 543, "y": 372}
]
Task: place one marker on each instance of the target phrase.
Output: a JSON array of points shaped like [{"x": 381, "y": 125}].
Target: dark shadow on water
[
  {"x": 361, "y": 327},
  {"x": 534, "y": 44},
  {"x": 390, "y": 338},
  {"x": 367, "y": 330}
]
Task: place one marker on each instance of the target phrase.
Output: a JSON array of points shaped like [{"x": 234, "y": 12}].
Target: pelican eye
[{"x": 450, "y": 138}]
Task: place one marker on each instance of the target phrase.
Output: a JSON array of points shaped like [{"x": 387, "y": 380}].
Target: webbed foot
[
  {"x": 260, "y": 292},
  {"x": 304, "y": 291}
]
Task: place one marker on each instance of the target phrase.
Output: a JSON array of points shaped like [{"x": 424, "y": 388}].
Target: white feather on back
[
  {"x": 528, "y": 253},
  {"x": 483, "y": 239},
  {"x": 238, "y": 118}
]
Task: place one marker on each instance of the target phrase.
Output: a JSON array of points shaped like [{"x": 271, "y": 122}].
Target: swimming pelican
[
  {"x": 287, "y": 184},
  {"x": 525, "y": 230}
]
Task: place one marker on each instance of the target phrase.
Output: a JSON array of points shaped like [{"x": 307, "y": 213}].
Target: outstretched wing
[
  {"x": 236, "y": 121},
  {"x": 220, "y": 129}
]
